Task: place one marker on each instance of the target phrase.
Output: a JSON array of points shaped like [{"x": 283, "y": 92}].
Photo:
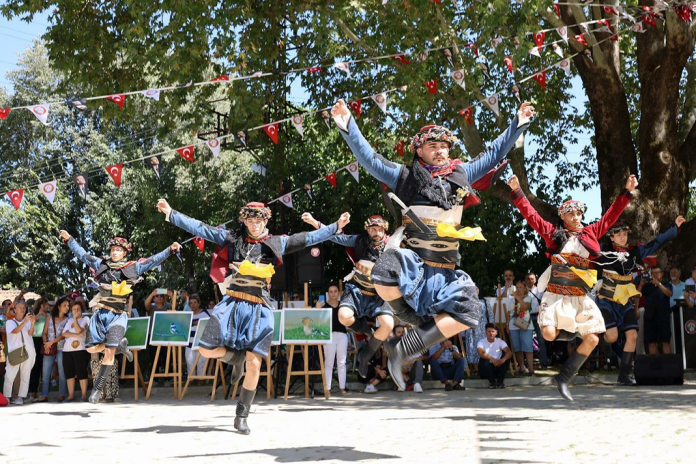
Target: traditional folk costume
[
  {"x": 423, "y": 268},
  {"x": 615, "y": 296},
  {"x": 243, "y": 321},
  {"x": 566, "y": 303},
  {"x": 115, "y": 281}
]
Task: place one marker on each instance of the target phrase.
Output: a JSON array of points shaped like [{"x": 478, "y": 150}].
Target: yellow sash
[
  {"x": 465, "y": 233},
  {"x": 247, "y": 268}
]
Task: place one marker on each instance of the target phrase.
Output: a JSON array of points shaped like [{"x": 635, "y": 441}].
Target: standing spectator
[
  {"x": 211, "y": 305},
  {"x": 657, "y": 312},
  {"x": 447, "y": 365},
  {"x": 413, "y": 367},
  {"x": 338, "y": 348},
  {"x": 677, "y": 286},
  {"x": 53, "y": 337},
  {"x": 155, "y": 302},
  {"x": 521, "y": 339},
  {"x": 691, "y": 281},
  {"x": 472, "y": 336},
  {"x": 75, "y": 356},
  {"x": 495, "y": 358},
  {"x": 194, "y": 302},
  {"x": 40, "y": 313},
  {"x": 184, "y": 297},
  {"x": 6, "y": 306},
  {"x": 19, "y": 332},
  {"x": 530, "y": 281},
  {"x": 110, "y": 391},
  {"x": 508, "y": 288}
]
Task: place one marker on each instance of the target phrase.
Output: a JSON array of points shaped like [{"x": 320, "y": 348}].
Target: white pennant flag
[
  {"x": 355, "y": 171},
  {"x": 152, "y": 93},
  {"x": 458, "y": 77},
  {"x": 287, "y": 200},
  {"x": 638, "y": 27},
  {"x": 558, "y": 50},
  {"x": 41, "y": 112},
  {"x": 343, "y": 66},
  {"x": 497, "y": 41},
  {"x": 297, "y": 122},
  {"x": 381, "y": 100},
  {"x": 49, "y": 189},
  {"x": 535, "y": 51},
  {"x": 493, "y": 103},
  {"x": 214, "y": 145},
  {"x": 563, "y": 32},
  {"x": 565, "y": 65}
]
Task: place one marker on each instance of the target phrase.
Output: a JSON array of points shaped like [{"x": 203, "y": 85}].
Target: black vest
[
  {"x": 407, "y": 187},
  {"x": 364, "y": 249},
  {"x": 109, "y": 272}
]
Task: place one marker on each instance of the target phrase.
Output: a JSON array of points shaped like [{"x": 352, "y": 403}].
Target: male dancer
[
  {"x": 615, "y": 296},
  {"x": 360, "y": 300},
  {"x": 115, "y": 277},
  {"x": 566, "y": 309},
  {"x": 420, "y": 280},
  {"x": 241, "y": 326}
]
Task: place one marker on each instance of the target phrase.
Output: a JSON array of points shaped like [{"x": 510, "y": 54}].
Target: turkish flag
[
  {"x": 221, "y": 78},
  {"x": 4, "y": 112},
  {"x": 16, "y": 197},
  {"x": 539, "y": 38},
  {"x": 200, "y": 243},
  {"x": 74, "y": 295},
  {"x": 314, "y": 69},
  {"x": 650, "y": 19},
  {"x": 186, "y": 153},
  {"x": 119, "y": 99},
  {"x": 272, "y": 131},
  {"x": 581, "y": 38},
  {"x": 474, "y": 48},
  {"x": 467, "y": 113},
  {"x": 115, "y": 173},
  {"x": 355, "y": 106},
  {"x": 508, "y": 63},
  {"x": 557, "y": 9},
  {"x": 402, "y": 58},
  {"x": 399, "y": 147},
  {"x": 432, "y": 86},
  {"x": 331, "y": 178},
  {"x": 540, "y": 77},
  {"x": 610, "y": 10}
]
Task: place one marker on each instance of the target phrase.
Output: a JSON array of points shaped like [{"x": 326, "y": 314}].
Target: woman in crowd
[
  {"x": 521, "y": 337},
  {"x": 194, "y": 302},
  {"x": 75, "y": 356},
  {"x": 53, "y": 349},
  {"x": 19, "y": 332},
  {"x": 472, "y": 336},
  {"x": 338, "y": 348},
  {"x": 41, "y": 308}
]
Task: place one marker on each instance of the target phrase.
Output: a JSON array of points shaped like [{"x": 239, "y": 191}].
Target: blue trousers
[
  {"x": 455, "y": 371},
  {"x": 46, "y": 375}
]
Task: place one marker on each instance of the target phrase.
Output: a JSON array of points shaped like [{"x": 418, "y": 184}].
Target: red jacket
[{"x": 589, "y": 236}]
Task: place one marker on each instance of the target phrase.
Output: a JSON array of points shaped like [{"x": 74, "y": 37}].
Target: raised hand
[
  {"x": 340, "y": 114},
  {"x": 513, "y": 182},
  {"x": 163, "y": 206},
  {"x": 680, "y": 220},
  {"x": 175, "y": 247},
  {"x": 631, "y": 183},
  {"x": 64, "y": 235},
  {"x": 343, "y": 220},
  {"x": 309, "y": 219},
  {"x": 525, "y": 112}
]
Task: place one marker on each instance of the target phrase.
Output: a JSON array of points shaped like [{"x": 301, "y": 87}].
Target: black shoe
[
  {"x": 568, "y": 371},
  {"x": 448, "y": 387},
  {"x": 366, "y": 354},
  {"x": 458, "y": 387},
  {"x": 491, "y": 385},
  {"x": 625, "y": 369},
  {"x": 414, "y": 341},
  {"x": 123, "y": 349},
  {"x": 501, "y": 385},
  {"x": 99, "y": 382}
]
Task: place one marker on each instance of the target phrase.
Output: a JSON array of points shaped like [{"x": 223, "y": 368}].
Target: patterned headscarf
[
  {"x": 120, "y": 241},
  {"x": 254, "y": 210},
  {"x": 571, "y": 205},
  {"x": 432, "y": 133},
  {"x": 376, "y": 220},
  {"x": 618, "y": 227}
]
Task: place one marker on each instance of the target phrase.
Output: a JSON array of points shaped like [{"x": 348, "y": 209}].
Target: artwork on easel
[
  {"x": 306, "y": 326},
  {"x": 277, "y": 327},
  {"x": 171, "y": 328},
  {"x": 500, "y": 308},
  {"x": 202, "y": 323},
  {"x": 136, "y": 332}
]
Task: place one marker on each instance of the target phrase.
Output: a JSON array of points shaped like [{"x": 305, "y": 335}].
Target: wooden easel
[
  {"x": 173, "y": 352},
  {"x": 137, "y": 374},
  {"x": 499, "y": 314},
  {"x": 462, "y": 350},
  {"x": 269, "y": 378},
  {"x": 219, "y": 369},
  {"x": 305, "y": 372}
]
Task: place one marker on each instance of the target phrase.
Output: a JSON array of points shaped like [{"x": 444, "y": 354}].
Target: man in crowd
[
  {"x": 677, "y": 286},
  {"x": 690, "y": 288},
  {"x": 447, "y": 365},
  {"x": 657, "y": 311},
  {"x": 530, "y": 281},
  {"x": 413, "y": 367},
  {"x": 508, "y": 287},
  {"x": 495, "y": 358}
]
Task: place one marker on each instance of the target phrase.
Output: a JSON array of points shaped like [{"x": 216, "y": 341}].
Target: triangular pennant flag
[
  {"x": 540, "y": 77},
  {"x": 610, "y": 10},
  {"x": 115, "y": 172},
  {"x": 152, "y": 93},
  {"x": 381, "y": 100},
  {"x": 314, "y": 69},
  {"x": 638, "y": 27},
  {"x": 497, "y": 41},
  {"x": 565, "y": 65},
  {"x": 272, "y": 131},
  {"x": 448, "y": 54},
  {"x": 186, "y": 153},
  {"x": 494, "y": 104},
  {"x": 331, "y": 178},
  {"x": 16, "y": 197},
  {"x": 399, "y": 147},
  {"x": 257, "y": 74},
  {"x": 515, "y": 89},
  {"x": 508, "y": 63},
  {"x": 355, "y": 106},
  {"x": 214, "y": 145},
  {"x": 581, "y": 38},
  {"x": 287, "y": 200},
  {"x": 41, "y": 112},
  {"x": 200, "y": 243},
  {"x": 402, "y": 58},
  {"x": 563, "y": 32},
  {"x": 683, "y": 12},
  {"x": 473, "y": 47},
  {"x": 221, "y": 78},
  {"x": 650, "y": 19},
  {"x": 4, "y": 112},
  {"x": 384, "y": 186},
  {"x": 242, "y": 137},
  {"x": 431, "y": 85},
  {"x": 468, "y": 113},
  {"x": 557, "y": 49},
  {"x": 355, "y": 171},
  {"x": 557, "y": 9},
  {"x": 343, "y": 66},
  {"x": 535, "y": 51},
  {"x": 119, "y": 99},
  {"x": 308, "y": 191},
  {"x": 458, "y": 77},
  {"x": 539, "y": 38},
  {"x": 324, "y": 115},
  {"x": 49, "y": 190},
  {"x": 297, "y": 122}
]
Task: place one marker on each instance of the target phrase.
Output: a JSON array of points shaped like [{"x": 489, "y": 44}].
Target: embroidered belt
[
  {"x": 440, "y": 265},
  {"x": 365, "y": 292},
  {"x": 245, "y": 297},
  {"x": 364, "y": 269},
  {"x": 427, "y": 221},
  {"x": 564, "y": 281},
  {"x": 571, "y": 260},
  {"x": 617, "y": 277},
  {"x": 565, "y": 290}
]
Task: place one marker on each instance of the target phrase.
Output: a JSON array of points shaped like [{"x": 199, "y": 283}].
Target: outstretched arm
[
  {"x": 79, "y": 252},
  {"x": 345, "y": 240},
  {"x": 542, "y": 226},
  {"x": 379, "y": 167},
  {"x": 190, "y": 225},
  {"x": 143, "y": 266},
  {"x": 658, "y": 242},
  {"x": 295, "y": 242},
  {"x": 612, "y": 215}
]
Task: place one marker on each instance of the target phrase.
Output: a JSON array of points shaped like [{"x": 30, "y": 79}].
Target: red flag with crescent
[
  {"x": 431, "y": 85},
  {"x": 4, "y": 112},
  {"x": 272, "y": 131},
  {"x": 186, "y": 153},
  {"x": 355, "y": 106},
  {"x": 16, "y": 197},
  {"x": 200, "y": 243},
  {"x": 115, "y": 173},
  {"x": 119, "y": 99},
  {"x": 399, "y": 147},
  {"x": 331, "y": 178}
]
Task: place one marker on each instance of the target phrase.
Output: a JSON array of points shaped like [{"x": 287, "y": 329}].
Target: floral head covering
[
  {"x": 254, "y": 210},
  {"x": 571, "y": 205},
  {"x": 120, "y": 241},
  {"x": 432, "y": 133}
]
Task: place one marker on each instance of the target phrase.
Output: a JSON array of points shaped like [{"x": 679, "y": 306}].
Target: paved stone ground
[{"x": 519, "y": 424}]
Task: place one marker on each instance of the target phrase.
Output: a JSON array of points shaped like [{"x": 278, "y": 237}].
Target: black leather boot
[
  {"x": 565, "y": 336},
  {"x": 246, "y": 397},
  {"x": 414, "y": 341},
  {"x": 568, "y": 372},
  {"x": 123, "y": 349},
  {"x": 361, "y": 326},
  {"x": 99, "y": 382},
  {"x": 625, "y": 369},
  {"x": 235, "y": 358},
  {"x": 366, "y": 354},
  {"x": 404, "y": 312}
]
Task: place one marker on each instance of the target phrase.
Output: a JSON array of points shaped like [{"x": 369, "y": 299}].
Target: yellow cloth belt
[
  {"x": 589, "y": 276},
  {"x": 121, "y": 288},
  {"x": 465, "y": 233},
  {"x": 247, "y": 268}
]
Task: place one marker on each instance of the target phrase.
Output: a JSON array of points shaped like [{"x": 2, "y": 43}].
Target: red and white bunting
[
  {"x": 314, "y": 69},
  {"x": 4, "y": 112},
  {"x": 222, "y": 78},
  {"x": 16, "y": 197},
  {"x": 581, "y": 38},
  {"x": 610, "y": 10},
  {"x": 297, "y": 122},
  {"x": 152, "y": 93},
  {"x": 200, "y": 243},
  {"x": 49, "y": 190},
  {"x": 431, "y": 85},
  {"x": 399, "y": 147},
  {"x": 381, "y": 100},
  {"x": 119, "y": 99},
  {"x": 638, "y": 27},
  {"x": 494, "y": 103},
  {"x": 468, "y": 113},
  {"x": 343, "y": 66},
  {"x": 540, "y": 77},
  {"x": 41, "y": 112},
  {"x": 272, "y": 131},
  {"x": 649, "y": 18},
  {"x": 331, "y": 178},
  {"x": 557, "y": 49},
  {"x": 355, "y": 106},
  {"x": 564, "y": 64},
  {"x": 354, "y": 169},
  {"x": 535, "y": 51},
  {"x": 214, "y": 145},
  {"x": 115, "y": 172},
  {"x": 186, "y": 153},
  {"x": 508, "y": 63},
  {"x": 563, "y": 32},
  {"x": 539, "y": 38},
  {"x": 458, "y": 77},
  {"x": 474, "y": 48},
  {"x": 402, "y": 59},
  {"x": 287, "y": 200},
  {"x": 557, "y": 9},
  {"x": 497, "y": 41}
]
